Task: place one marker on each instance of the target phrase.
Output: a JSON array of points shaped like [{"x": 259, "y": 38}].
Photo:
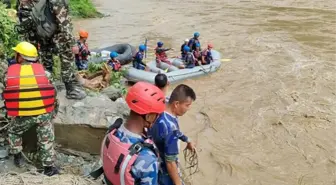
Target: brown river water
[{"x": 267, "y": 117}]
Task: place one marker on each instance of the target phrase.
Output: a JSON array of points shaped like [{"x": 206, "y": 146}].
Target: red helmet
[
  {"x": 144, "y": 98},
  {"x": 210, "y": 45}
]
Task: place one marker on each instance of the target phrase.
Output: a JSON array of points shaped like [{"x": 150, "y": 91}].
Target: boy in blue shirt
[{"x": 166, "y": 134}]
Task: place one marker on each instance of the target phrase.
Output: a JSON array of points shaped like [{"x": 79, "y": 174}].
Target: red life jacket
[
  {"x": 197, "y": 54},
  {"x": 160, "y": 55},
  {"x": 28, "y": 91},
  {"x": 83, "y": 51},
  {"x": 114, "y": 64},
  {"x": 118, "y": 157}
]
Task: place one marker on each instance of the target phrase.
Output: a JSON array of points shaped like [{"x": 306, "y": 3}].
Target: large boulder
[{"x": 81, "y": 125}]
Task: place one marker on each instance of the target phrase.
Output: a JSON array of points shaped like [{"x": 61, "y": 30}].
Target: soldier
[
  {"x": 30, "y": 99},
  {"x": 46, "y": 24}
]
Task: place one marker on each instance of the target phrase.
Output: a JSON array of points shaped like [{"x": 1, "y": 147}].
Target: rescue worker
[
  {"x": 186, "y": 41},
  {"x": 166, "y": 134},
  {"x": 197, "y": 54},
  {"x": 161, "y": 55},
  {"x": 137, "y": 62},
  {"x": 189, "y": 59},
  {"x": 128, "y": 156},
  {"x": 30, "y": 98},
  {"x": 113, "y": 62},
  {"x": 82, "y": 51},
  {"x": 206, "y": 55},
  {"x": 47, "y": 24},
  {"x": 193, "y": 41}
]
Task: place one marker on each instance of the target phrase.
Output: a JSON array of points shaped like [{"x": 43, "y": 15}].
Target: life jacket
[
  {"x": 160, "y": 54},
  {"x": 208, "y": 55},
  {"x": 193, "y": 43},
  {"x": 197, "y": 54},
  {"x": 114, "y": 64},
  {"x": 189, "y": 58},
  {"x": 83, "y": 51},
  {"x": 28, "y": 91},
  {"x": 44, "y": 18},
  {"x": 118, "y": 157}
]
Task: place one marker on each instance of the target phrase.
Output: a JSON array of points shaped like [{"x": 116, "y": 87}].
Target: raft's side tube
[{"x": 125, "y": 51}]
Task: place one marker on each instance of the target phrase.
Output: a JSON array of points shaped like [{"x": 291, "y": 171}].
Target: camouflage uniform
[
  {"x": 45, "y": 135},
  {"x": 61, "y": 43},
  {"x": 44, "y": 130}
]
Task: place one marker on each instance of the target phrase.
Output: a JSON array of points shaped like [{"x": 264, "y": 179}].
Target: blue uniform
[
  {"x": 166, "y": 134},
  {"x": 192, "y": 43},
  {"x": 137, "y": 62},
  {"x": 145, "y": 167}
]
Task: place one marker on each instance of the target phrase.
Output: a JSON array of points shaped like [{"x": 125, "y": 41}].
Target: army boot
[
  {"x": 19, "y": 160},
  {"x": 50, "y": 171},
  {"x": 74, "y": 90}
]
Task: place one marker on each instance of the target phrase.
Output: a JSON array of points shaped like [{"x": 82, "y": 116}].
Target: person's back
[
  {"x": 128, "y": 156},
  {"x": 145, "y": 168}
]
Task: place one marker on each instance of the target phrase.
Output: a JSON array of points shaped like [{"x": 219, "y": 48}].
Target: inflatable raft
[
  {"x": 174, "y": 74},
  {"x": 125, "y": 51}
]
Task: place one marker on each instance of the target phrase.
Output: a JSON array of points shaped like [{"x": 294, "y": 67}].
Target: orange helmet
[
  {"x": 210, "y": 45},
  {"x": 83, "y": 34}
]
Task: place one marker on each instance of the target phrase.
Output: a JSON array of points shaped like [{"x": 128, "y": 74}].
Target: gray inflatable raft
[
  {"x": 174, "y": 74},
  {"x": 125, "y": 53}
]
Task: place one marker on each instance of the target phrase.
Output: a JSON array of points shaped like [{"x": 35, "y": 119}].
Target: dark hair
[
  {"x": 181, "y": 94},
  {"x": 161, "y": 80}
]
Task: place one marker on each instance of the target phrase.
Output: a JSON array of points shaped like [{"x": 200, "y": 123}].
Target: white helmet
[{"x": 186, "y": 40}]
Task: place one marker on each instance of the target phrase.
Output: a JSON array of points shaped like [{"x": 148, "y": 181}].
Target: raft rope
[{"x": 191, "y": 160}]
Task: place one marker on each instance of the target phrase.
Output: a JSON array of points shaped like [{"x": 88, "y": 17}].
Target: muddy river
[{"x": 267, "y": 117}]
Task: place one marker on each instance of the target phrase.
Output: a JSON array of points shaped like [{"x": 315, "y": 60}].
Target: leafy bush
[
  {"x": 115, "y": 78},
  {"x": 8, "y": 35},
  {"x": 83, "y": 9}
]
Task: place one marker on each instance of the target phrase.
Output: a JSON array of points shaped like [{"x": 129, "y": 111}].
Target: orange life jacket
[{"x": 28, "y": 91}]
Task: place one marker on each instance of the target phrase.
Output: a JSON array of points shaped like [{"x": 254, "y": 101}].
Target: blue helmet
[
  {"x": 113, "y": 54},
  {"x": 186, "y": 48},
  {"x": 160, "y": 44},
  {"x": 198, "y": 45},
  {"x": 142, "y": 47},
  {"x": 196, "y": 34}
]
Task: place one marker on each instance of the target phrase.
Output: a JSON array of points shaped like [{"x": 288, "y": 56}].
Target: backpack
[{"x": 44, "y": 18}]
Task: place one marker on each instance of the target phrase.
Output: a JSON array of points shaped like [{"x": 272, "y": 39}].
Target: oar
[{"x": 225, "y": 60}]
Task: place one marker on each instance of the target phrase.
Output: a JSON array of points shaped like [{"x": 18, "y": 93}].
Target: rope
[{"x": 191, "y": 160}]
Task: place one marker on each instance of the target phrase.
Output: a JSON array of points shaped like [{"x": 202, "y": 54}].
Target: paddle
[
  {"x": 146, "y": 48},
  {"x": 225, "y": 60}
]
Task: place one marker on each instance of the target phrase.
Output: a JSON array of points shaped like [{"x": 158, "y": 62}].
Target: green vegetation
[
  {"x": 115, "y": 78},
  {"x": 78, "y": 8},
  {"x": 8, "y": 36},
  {"x": 83, "y": 9}
]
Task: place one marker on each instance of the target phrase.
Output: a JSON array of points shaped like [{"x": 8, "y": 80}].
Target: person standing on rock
[
  {"x": 47, "y": 24},
  {"x": 129, "y": 157},
  {"x": 166, "y": 134},
  {"x": 82, "y": 51},
  {"x": 30, "y": 99}
]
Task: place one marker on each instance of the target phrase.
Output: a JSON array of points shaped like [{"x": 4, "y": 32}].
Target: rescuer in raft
[
  {"x": 161, "y": 55},
  {"x": 82, "y": 51},
  {"x": 137, "y": 61},
  {"x": 128, "y": 156},
  {"x": 113, "y": 62},
  {"x": 207, "y": 55},
  {"x": 30, "y": 99}
]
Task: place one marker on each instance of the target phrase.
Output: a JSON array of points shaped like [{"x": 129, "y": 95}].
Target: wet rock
[
  {"x": 81, "y": 125},
  {"x": 3, "y": 152},
  {"x": 112, "y": 92}
]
